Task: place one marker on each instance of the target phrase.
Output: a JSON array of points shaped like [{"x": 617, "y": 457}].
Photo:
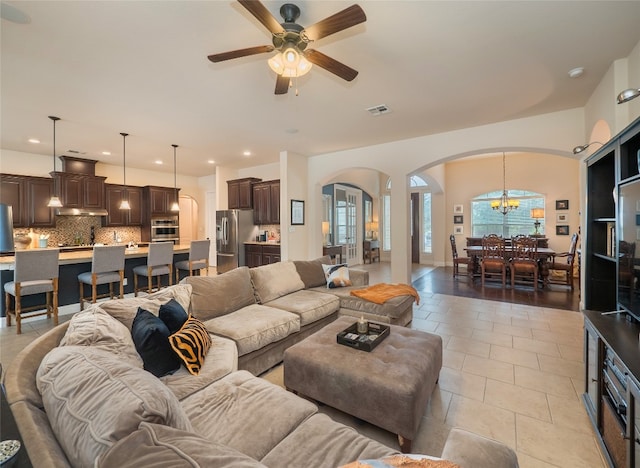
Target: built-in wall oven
[{"x": 165, "y": 229}]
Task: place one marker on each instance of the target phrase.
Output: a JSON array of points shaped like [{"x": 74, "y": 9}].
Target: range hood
[
  {"x": 80, "y": 212},
  {"x": 81, "y": 189}
]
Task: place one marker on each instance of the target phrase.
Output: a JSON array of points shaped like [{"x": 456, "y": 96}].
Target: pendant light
[
  {"x": 54, "y": 201},
  {"x": 175, "y": 206},
  {"x": 504, "y": 205},
  {"x": 124, "y": 204}
]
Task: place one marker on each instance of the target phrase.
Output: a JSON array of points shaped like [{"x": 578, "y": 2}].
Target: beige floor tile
[
  {"x": 483, "y": 419},
  {"x": 462, "y": 383},
  {"x": 467, "y": 346},
  {"x": 493, "y": 338},
  {"x": 517, "y": 399},
  {"x": 554, "y": 336},
  {"x": 572, "y": 369},
  {"x": 454, "y": 330},
  {"x": 514, "y": 356},
  {"x": 528, "y": 323},
  {"x": 480, "y": 325},
  {"x": 527, "y": 461},
  {"x": 556, "y": 445},
  {"x": 544, "y": 382},
  {"x": 495, "y": 317},
  {"x": 536, "y": 346},
  {"x": 572, "y": 353},
  {"x": 569, "y": 413},
  {"x": 490, "y": 368},
  {"x": 424, "y": 325},
  {"x": 431, "y": 437},
  {"x": 524, "y": 332},
  {"x": 438, "y": 404},
  {"x": 452, "y": 359}
]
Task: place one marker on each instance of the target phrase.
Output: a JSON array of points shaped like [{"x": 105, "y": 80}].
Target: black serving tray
[{"x": 376, "y": 333}]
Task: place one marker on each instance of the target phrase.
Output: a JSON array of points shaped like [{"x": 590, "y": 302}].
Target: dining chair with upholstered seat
[
  {"x": 107, "y": 267},
  {"x": 159, "y": 263},
  {"x": 493, "y": 259},
  {"x": 564, "y": 262},
  {"x": 35, "y": 272},
  {"x": 524, "y": 260},
  {"x": 457, "y": 260},
  {"x": 198, "y": 258}
]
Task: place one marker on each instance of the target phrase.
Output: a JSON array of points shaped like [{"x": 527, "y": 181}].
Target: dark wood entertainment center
[{"x": 612, "y": 297}]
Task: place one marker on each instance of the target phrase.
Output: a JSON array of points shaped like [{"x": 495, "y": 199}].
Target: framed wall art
[
  {"x": 562, "y": 218},
  {"x": 562, "y": 204},
  {"x": 459, "y": 230},
  {"x": 458, "y": 209},
  {"x": 297, "y": 212},
  {"x": 562, "y": 230},
  {"x": 458, "y": 219}
]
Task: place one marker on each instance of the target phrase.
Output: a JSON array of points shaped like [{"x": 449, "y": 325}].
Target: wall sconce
[
  {"x": 580, "y": 149},
  {"x": 628, "y": 94},
  {"x": 325, "y": 232},
  {"x": 537, "y": 213}
]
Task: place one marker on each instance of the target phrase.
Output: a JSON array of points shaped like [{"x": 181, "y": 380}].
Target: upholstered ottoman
[{"x": 389, "y": 387}]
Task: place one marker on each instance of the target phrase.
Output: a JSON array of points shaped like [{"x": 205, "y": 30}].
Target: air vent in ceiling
[
  {"x": 76, "y": 152},
  {"x": 379, "y": 110}
]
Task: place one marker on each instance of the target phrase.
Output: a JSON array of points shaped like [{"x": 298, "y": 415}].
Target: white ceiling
[{"x": 141, "y": 67}]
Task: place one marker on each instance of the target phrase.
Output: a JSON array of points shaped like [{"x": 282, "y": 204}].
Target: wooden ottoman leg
[{"x": 405, "y": 444}]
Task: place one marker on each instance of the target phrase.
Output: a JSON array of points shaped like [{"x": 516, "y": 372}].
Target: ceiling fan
[{"x": 291, "y": 40}]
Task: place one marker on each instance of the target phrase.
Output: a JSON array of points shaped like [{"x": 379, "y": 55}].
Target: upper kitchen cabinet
[
  {"x": 158, "y": 201},
  {"x": 13, "y": 192},
  {"x": 28, "y": 197},
  {"x": 77, "y": 185},
  {"x": 266, "y": 202},
  {"x": 241, "y": 193},
  {"x": 117, "y": 217}
]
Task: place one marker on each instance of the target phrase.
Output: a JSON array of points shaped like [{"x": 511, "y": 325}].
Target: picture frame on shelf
[
  {"x": 458, "y": 209},
  {"x": 562, "y": 230},
  {"x": 297, "y": 212},
  {"x": 562, "y": 218},
  {"x": 458, "y": 230},
  {"x": 458, "y": 219},
  {"x": 562, "y": 204}
]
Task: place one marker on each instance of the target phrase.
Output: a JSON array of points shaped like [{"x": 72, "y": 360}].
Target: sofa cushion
[
  {"x": 93, "y": 399},
  {"x": 173, "y": 315},
  {"x": 191, "y": 344},
  {"x": 151, "y": 338},
  {"x": 311, "y": 272},
  {"x": 337, "y": 276},
  {"x": 162, "y": 446},
  {"x": 275, "y": 280},
  {"x": 472, "y": 450},
  {"x": 125, "y": 310},
  {"x": 94, "y": 327},
  {"x": 213, "y": 296},
  {"x": 310, "y": 306},
  {"x": 247, "y": 413},
  {"x": 255, "y": 326}
]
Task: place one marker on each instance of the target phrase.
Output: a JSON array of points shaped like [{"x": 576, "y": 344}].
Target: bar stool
[
  {"x": 159, "y": 263},
  {"x": 107, "y": 266},
  {"x": 198, "y": 258},
  {"x": 35, "y": 272}
]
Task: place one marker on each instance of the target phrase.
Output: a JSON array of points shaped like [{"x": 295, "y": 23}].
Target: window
[
  {"x": 386, "y": 217},
  {"x": 426, "y": 221},
  {"x": 485, "y": 220}
]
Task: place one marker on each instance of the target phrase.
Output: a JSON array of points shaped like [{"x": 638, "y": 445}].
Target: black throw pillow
[
  {"x": 173, "y": 315},
  {"x": 151, "y": 337}
]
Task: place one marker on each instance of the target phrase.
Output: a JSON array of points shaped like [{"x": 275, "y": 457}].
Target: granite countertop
[{"x": 262, "y": 243}]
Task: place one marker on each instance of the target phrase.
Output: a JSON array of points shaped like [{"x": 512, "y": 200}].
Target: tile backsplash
[{"x": 76, "y": 230}]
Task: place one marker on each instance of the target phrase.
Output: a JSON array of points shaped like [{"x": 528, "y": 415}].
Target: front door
[{"x": 347, "y": 216}]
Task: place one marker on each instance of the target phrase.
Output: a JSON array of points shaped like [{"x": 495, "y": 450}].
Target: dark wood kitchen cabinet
[
  {"x": 261, "y": 254},
  {"x": 28, "y": 197},
  {"x": 13, "y": 192},
  {"x": 158, "y": 201},
  {"x": 266, "y": 202},
  {"x": 117, "y": 217},
  {"x": 240, "y": 193},
  {"x": 80, "y": 190}
]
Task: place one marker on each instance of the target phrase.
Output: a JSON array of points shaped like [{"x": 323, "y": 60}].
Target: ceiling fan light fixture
[{"x": 280, "y": 64}]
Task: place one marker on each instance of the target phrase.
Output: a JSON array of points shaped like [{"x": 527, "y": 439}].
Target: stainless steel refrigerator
[{"x": 233, "y": 229}]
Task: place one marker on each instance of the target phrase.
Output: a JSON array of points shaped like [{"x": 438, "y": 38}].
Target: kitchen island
[{"x": 78, "y": 260}]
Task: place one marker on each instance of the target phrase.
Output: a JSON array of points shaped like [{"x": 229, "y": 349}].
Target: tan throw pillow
[
  {"x": 191, "y": 343},
  {"x": 311, "y": 272},
  {"x": 93, "y": 399},
  {"x": 337, "y": 276},
  {"x": 275, "y": 280}
]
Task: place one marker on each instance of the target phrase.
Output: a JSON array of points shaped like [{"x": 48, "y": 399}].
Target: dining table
[{"x": 543, "y": 254}]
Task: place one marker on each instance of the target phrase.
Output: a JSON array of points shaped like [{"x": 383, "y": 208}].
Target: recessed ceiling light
[
  {"x": 576, "y": 72},
  {"x": 291, "y": 130},
  {"x": 247, "y": 153},
  {"x": 33, "y": 140},
  {"x": 106, "y": 153},
  {"x": 158, "y": 162},
  {"x": 211, "y": 161}
]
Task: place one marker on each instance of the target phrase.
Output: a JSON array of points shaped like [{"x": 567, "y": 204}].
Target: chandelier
[{"x": 504, "y": 204}]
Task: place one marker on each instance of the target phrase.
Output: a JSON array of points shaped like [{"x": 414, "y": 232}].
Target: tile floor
[{"x": 512, "y": 372}]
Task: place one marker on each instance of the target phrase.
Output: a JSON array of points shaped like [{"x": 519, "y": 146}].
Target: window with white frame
[
  {"x": 485, "y": 220},
  {"x": 414, "y": 181}
]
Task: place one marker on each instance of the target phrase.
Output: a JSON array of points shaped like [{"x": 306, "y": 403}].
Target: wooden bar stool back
[
  {"x": 198, "y": 258},
  {"x": 107, "y": 267},
  {"x": 35, "y": 272},
  {"x": 159, "y": 263}
]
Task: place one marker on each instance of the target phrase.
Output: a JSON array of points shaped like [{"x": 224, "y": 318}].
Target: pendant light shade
[
  {"x": 175, "y": 206},
  {"x": 54, "y": 201},
  {"x": 504, "y": 204},
  {"x": 124, "y": 203}
]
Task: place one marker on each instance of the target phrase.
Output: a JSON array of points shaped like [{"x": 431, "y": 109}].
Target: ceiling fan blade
[
  {"x": 240, "y": 53},
  {"x": 329, "y": 64},
  {"x": 336, "y": 23},
  {"x": 263, "y": 15},
  {"x": 282, "y": 84}
]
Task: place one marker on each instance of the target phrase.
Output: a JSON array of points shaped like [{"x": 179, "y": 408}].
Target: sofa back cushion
[
  {"x": 93, "y": 399},
  {"x": 275, "y": 280},
  {"x": 213, "y": 296},
  {"x": 311, "y": 272}
]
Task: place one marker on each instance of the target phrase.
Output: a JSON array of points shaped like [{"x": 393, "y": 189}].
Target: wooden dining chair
[
  {"x": 493, "y": 259},
  {"x": 35, "y": 272},
  {"x": 159, "y": 263},
  {"x": 524, "y": 260},
  {"x": 457, "y": 260},
  {"x": 107, "y": 267},
  {"x": 564, "y": 262}
]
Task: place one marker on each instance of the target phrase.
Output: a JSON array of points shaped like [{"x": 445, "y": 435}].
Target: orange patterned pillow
[{"x": 191, "y": 343}]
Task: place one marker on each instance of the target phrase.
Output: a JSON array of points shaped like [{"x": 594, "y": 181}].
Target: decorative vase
[{"x": 22, "y": 241}]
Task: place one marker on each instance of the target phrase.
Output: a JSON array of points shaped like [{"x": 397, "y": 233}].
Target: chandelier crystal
[{"x": 504, "y": 205}]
